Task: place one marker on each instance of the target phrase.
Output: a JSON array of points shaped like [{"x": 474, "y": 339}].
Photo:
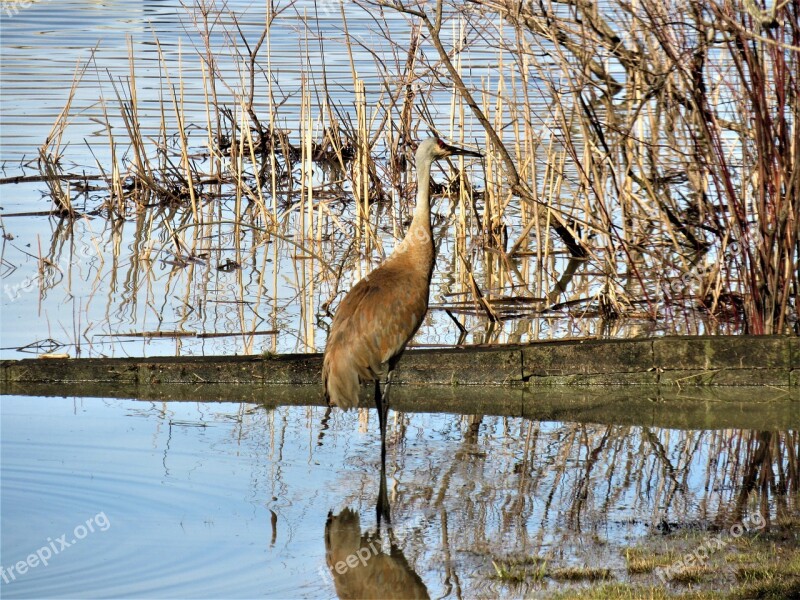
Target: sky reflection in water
[{"x": 224, "y": 499}]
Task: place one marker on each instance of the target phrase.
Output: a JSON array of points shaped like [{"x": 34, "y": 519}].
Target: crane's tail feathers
[{"x": 341, "y": 383}]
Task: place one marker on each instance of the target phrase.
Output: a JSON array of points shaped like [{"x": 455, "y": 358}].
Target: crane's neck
[
  {"x": 419, "y": 234},
  {"x": 422, "y": 211},
  {"x": 418, "y": 242}
]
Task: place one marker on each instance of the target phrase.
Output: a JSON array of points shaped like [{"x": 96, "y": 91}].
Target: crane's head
[{"x": 434, "y": 149}]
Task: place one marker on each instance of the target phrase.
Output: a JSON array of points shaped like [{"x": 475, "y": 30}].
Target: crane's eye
[{"x": 441, "y": 144}]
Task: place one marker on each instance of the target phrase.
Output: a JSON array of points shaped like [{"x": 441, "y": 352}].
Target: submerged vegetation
[
  {"x": 708, "y": 546},
  {"x": 640, "y": 172}
]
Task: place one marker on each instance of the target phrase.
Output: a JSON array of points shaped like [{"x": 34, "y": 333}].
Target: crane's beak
[{"x": 456, "y": 151}]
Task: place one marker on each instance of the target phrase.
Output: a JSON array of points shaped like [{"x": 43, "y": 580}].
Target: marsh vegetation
[{"x": 639, "y": 175}]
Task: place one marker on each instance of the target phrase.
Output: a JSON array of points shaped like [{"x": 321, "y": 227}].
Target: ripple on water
[{"x": 172, "y": 511}]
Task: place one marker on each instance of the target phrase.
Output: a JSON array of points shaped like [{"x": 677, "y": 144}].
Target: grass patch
[
  {"x": 624, "y": 591},
  {"x": 750, "y": 574},
  {"x": 769, "y": 590},
  {"x": 532, "y": 569},
  {"x": 517, "y": 570},
  {"x": 580, "y": 574},
  {"x": 644, "y": 560},
  {"x": 761, "y": 565},
  {"x": 770, "y": 573},
  {"x": 692, "y": 575}
]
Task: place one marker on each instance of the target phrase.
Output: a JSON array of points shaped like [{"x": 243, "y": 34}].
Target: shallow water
[
  {"x": 100, "y": 286},
  {"x": 227, "y": 499},
  {"x": 80, "y": 287}
]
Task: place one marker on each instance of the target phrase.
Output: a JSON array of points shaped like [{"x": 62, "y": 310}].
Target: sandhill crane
[{"x": 383, "y": 311}]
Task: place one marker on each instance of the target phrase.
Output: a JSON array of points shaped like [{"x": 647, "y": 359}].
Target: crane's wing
[{"x": 371, "y": 328}]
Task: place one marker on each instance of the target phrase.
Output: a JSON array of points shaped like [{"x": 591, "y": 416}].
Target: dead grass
[{"x": 618, "y": 201}]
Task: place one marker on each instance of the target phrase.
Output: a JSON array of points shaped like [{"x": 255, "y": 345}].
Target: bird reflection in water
[{"x": 361, "y": 568}]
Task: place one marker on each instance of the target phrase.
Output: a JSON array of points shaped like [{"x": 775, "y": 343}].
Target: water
[
  {"x": 82, "y": 287},
  {"x": 82, "y": 284},
  {"x": 198, "y": 498},
  {"x": 116, "y": 282},
  {"x": 187, "y": 500}
]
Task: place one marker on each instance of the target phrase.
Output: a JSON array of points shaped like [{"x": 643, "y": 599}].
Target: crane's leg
[
  {"x": 379, "y": 405},
  {"x": 382, "y": 404},
  {"x": 383, "y": 510},
  {"x": 386, "y": 389},
  {"x": 324, "y": 425}
]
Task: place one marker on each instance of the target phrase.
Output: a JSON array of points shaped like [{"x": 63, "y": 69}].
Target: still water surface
[
  {"x": 122, "y": 282},
  {"x": 227, "y": 499},
  {"x": 99, "y": 286}
]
